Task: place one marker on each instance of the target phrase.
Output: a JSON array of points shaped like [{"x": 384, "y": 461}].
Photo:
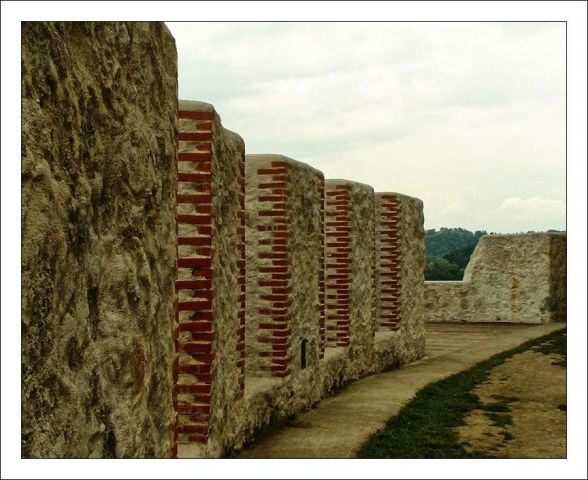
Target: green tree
[
  {"x": 461, "y": 256},
  {"x": 446, "y": 240},
  {"x": 449, "y": 251},
  {"x": 443, "y": 269}
]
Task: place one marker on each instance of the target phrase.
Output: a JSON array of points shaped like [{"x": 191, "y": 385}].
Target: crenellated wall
[
  {"x": 510, "y": 278},
  {"x": 287, "y": 286},
  {"x": 310, "y": 295}
]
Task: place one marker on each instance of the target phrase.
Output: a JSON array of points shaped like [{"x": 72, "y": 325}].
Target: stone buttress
[
  {"x": 285, "y": 312},
  {"x": 350, "y": 265},
  {"x": 210, "y": 334}
]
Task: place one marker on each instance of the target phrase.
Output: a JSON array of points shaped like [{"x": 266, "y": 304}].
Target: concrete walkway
[{"x": 339, "y": 425}]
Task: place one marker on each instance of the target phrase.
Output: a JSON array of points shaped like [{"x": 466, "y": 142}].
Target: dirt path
[
  {"x": 339, "y": 425},
  {"x": 524, "y": 410}
]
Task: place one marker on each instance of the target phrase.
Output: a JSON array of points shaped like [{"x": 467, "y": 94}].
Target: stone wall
[
  {"x": 350, "y": 268},
  {"x": 284, "y": 240},
  {"x": 400, "y": 239},
  {"x": 99, "y": 106},
  {"x": 307, "y": 243},
  {"x": 123, "y": 195},
  {"x": 209, "y": 369},
  {"x": 510, "y": 278}
]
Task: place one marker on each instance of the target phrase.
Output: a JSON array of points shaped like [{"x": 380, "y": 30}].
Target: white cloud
[
  {"x": 533, "y": 205},
  {"x": 535, "y": 213},
  {"x": 429, "y": 109}
]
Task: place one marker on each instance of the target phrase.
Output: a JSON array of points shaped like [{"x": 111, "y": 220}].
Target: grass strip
[{"x": 426, "y": 426}]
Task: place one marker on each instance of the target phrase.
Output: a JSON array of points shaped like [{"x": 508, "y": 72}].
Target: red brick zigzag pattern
[
  {"x": 274, "y": 280},
  {"x": 241, "y": 279},
  {"x": 389, "y": 263},
  {"x": 337, "y": 265},
  {"x": 322, "y": 269},
  {"x": 194, "y": 333}
]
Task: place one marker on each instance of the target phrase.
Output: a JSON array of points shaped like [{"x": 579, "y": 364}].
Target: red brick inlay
[
  {"x": 322, "y": 269},
  {"x": 337, "y": 264},
  {"x": 389, "y": 262},
  {"x": 194, "y": 333},
  {"x": 273, "y": 282},
  {"x": 241, "y": 279}
]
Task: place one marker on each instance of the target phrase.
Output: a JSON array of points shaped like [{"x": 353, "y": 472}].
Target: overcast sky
[{"x": 469, "y": 117}]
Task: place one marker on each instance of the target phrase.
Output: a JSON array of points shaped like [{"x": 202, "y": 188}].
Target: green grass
[
  {"x": 556, "y": 345},
  {"x": 496, "y": 407},
  {"x": 500, "y": 419},
  {"x": 426, "y": 427}
]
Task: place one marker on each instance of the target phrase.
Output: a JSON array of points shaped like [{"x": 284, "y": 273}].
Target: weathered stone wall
[
  {"x": 400, "y": 275},
  {"x": 284, "y": 256},
  {"x": 283, "y": 210},
  {"x": 209, "y": 369},
  {"x": 510, "y": 278},
  {"x": 350, "y": 269},
  {"x": 558, "y": 278},
  {"x": 283, "y": 235},
  {"x": 99, "y": 104}
]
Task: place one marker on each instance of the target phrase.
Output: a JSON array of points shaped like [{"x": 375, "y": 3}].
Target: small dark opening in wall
[{"x": 303, "y": 353}]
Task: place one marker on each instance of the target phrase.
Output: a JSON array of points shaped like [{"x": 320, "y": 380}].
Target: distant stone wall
[
  {"x": 510, "y": 278},
  {"x": 99, "y": 106}
]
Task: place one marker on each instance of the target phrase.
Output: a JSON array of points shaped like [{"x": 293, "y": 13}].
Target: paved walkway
[{"x": 339, "y": 425}]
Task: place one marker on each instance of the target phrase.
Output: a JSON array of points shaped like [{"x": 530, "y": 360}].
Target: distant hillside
[
  {"x": 447, "y": 240},
  {"x": 449, "y": 251}
]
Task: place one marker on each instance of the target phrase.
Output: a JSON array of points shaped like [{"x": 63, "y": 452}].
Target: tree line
[{"x": 449, "y": 251}]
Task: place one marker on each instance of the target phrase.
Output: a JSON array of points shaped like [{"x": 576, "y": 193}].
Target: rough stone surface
[
  {"x": 216, "y": 198},
  {"x": 99, "y": 104},
  {"x": 406, "y": 343},
  {"x": 510, "y": 278},
  {"x": 305, "y": 254},
  {"x": 363, "y": 272},
  {"x": 271, "y": 399},
  {"x": 283, "y": 251},
  {"x": 350, "y": 271}
]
